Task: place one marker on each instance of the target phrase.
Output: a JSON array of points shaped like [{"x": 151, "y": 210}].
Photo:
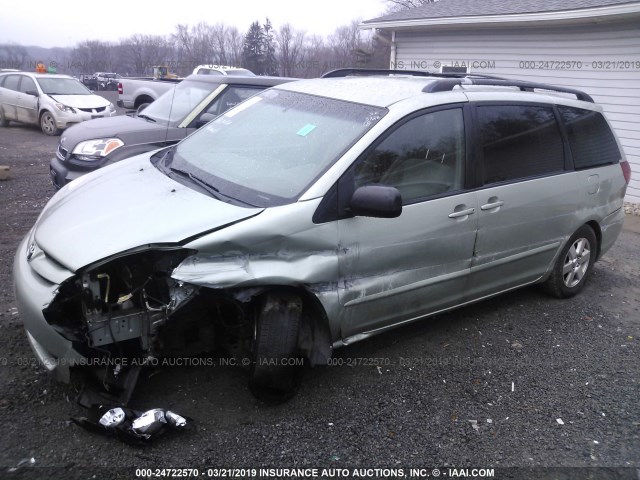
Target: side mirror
[
  {"x": 32, "y": 92},
  {"x": 378, "y": 201},
  {"x": 204, "y": 119}
]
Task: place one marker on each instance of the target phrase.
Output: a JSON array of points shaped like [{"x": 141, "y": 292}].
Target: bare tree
[
  {"x": 290, "y": 49},
  {"x": 235, "y": 42},
  {"x": 194, "y": 45},
  {"x": 92, "y": 56},
  {"x": 13, "y": 55},
  {"x": 140, "y": 52},
  {"x": 397, "y": 5},
  {"x": 348, "y": 47}
]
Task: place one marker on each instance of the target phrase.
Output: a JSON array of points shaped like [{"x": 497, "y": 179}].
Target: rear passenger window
[
  {"x": 590, "y": 138},
  {"x": 27, "y": 85},
  {"x": 421, "y": 158},
  {"x": 519, "y": 141}
]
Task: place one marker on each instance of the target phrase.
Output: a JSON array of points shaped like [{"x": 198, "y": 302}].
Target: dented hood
[{"x": 126, "y": 205}]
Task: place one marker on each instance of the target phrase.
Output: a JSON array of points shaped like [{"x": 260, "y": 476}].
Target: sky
[{"x": 63, "y": 23}]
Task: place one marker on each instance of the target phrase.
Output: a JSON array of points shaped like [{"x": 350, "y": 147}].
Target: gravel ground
[{"x": 522, "y": 380}]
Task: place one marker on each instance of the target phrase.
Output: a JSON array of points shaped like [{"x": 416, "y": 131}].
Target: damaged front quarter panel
[{"x": 169, "y": 301}]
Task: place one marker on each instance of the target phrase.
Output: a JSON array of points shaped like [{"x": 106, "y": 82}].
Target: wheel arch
[
  {"x": 595, "y": 226},
  {"x": 314, "y": 337},
  {"x": 142, "y": 99}
]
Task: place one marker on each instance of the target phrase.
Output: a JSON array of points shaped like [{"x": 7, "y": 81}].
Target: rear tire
[
  {"x": 273, "y": 377},
  {"x": 3, "y": 120},
  {"x": 141, "y": 107},
  {"x": 574, "y": 264}
]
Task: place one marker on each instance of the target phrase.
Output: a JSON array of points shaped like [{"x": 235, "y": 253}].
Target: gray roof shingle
[{"x": 466, "y": 8}]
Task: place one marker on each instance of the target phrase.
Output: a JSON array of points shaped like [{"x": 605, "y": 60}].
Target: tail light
[
  {"x": 119, "y": 88},
  {"x": 626, "y": 171}
]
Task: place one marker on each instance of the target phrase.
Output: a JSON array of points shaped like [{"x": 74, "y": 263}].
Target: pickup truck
[{"x": 137, "y": 93}]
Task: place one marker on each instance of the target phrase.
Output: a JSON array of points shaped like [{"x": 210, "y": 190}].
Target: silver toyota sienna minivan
[{"x": 321, "y": 212}]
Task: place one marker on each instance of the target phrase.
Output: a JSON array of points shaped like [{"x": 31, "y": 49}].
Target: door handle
[
  {"x": 492, "y": 205},
  {"x": 462, "y": 213}
]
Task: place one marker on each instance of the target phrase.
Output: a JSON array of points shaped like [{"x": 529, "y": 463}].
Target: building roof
[{"x": 461, "y": 9}]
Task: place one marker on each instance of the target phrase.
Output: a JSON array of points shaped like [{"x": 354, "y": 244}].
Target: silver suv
[{"x": 321, "y": 212}]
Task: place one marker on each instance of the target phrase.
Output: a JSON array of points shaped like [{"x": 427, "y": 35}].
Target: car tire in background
[
  {"x": 3, "y": 120},
  {"x": 573, "y": 264},
  {"x": 48, "y": 124},
  {"x": 276, "y": 372}
]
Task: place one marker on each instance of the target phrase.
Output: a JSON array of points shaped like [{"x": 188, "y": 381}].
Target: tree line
[{"x": 263, "y": 49}]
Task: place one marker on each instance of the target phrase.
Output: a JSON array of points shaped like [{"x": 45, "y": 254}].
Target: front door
[{"x": 394, "y": 270}]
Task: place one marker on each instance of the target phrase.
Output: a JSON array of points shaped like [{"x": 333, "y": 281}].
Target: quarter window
[
  {"x": 423, "y": 157},
  {"x": 519, "y": 141},
  {"x": 590, "y": 138}
]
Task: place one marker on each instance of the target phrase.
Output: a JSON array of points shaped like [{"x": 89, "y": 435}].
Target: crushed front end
[{"x": 124, "y": 313}]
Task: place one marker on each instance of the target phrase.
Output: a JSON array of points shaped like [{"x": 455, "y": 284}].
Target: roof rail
[
  {"x": 447, "y": 84},
  {"x": 345, "y": 72}
]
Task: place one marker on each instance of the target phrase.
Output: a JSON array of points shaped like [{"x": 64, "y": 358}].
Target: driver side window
[{"x": 421, "y": 158}]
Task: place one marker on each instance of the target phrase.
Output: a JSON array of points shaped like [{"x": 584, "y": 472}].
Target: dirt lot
[{"x": 550, "y": 383}]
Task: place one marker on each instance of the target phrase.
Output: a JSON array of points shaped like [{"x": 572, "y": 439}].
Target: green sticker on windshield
[{"x": 306, "y": 130}]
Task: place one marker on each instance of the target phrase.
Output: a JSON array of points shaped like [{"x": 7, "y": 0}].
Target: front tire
[
  {"x": 574, "y": 264},
  {"x": 278, "y": 365},
  {"x": 48, "y": 124}
]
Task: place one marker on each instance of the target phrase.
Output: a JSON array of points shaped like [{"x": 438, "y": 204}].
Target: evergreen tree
[
  {"x": 269, "y": 60},
  {"x": 252, "y": 52}
]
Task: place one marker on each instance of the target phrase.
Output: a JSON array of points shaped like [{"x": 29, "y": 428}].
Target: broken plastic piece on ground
[
  {"x": 176, "y": 420},
  {"x": 149, "y": 422},
  {"x": 112, "y": 418},
  {"x": 131, "y": 426},
  {"x": 474, "y": 425},
  {"x": 25, "y": 462}
]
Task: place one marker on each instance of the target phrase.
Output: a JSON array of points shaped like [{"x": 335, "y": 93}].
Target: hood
[
  {"x": 81, "y": 101},
  {"x": 126, "y": 205},
  {"x": 131, "y": 130}
]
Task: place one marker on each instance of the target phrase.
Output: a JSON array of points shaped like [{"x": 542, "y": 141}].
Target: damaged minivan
[{"x": 321, "y": 212}]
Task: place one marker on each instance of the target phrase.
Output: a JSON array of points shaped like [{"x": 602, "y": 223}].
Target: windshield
[
  {"x": 269, "y": 149},
  {"x": 175, "y": 104},
  {"x": 62, "y": 86}
]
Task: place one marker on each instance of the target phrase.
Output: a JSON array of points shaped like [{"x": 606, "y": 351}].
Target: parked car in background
[
  {"x": 55, "y": 102},
  {"x": 89, "y": 80},
  {"x": 222, "y": 70},
  {"x": 319, "y": 213},
  {"x": 107, "y": 81},
  {"x": 176, "y": 114}
]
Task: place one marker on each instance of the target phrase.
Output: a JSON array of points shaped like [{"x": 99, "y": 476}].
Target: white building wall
[{"x": 601, "y": 59}]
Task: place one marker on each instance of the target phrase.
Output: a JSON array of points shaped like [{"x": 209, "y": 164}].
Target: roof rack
[
  {"x": 448, "y": 81},
  {"x": 345, "y": 72},
  {"x": 447, "y": 84}
]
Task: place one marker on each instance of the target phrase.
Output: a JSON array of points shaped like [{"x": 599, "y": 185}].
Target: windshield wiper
[
  {"x": 215, "y": 192},
  {"x": 146, "y": 117}
]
